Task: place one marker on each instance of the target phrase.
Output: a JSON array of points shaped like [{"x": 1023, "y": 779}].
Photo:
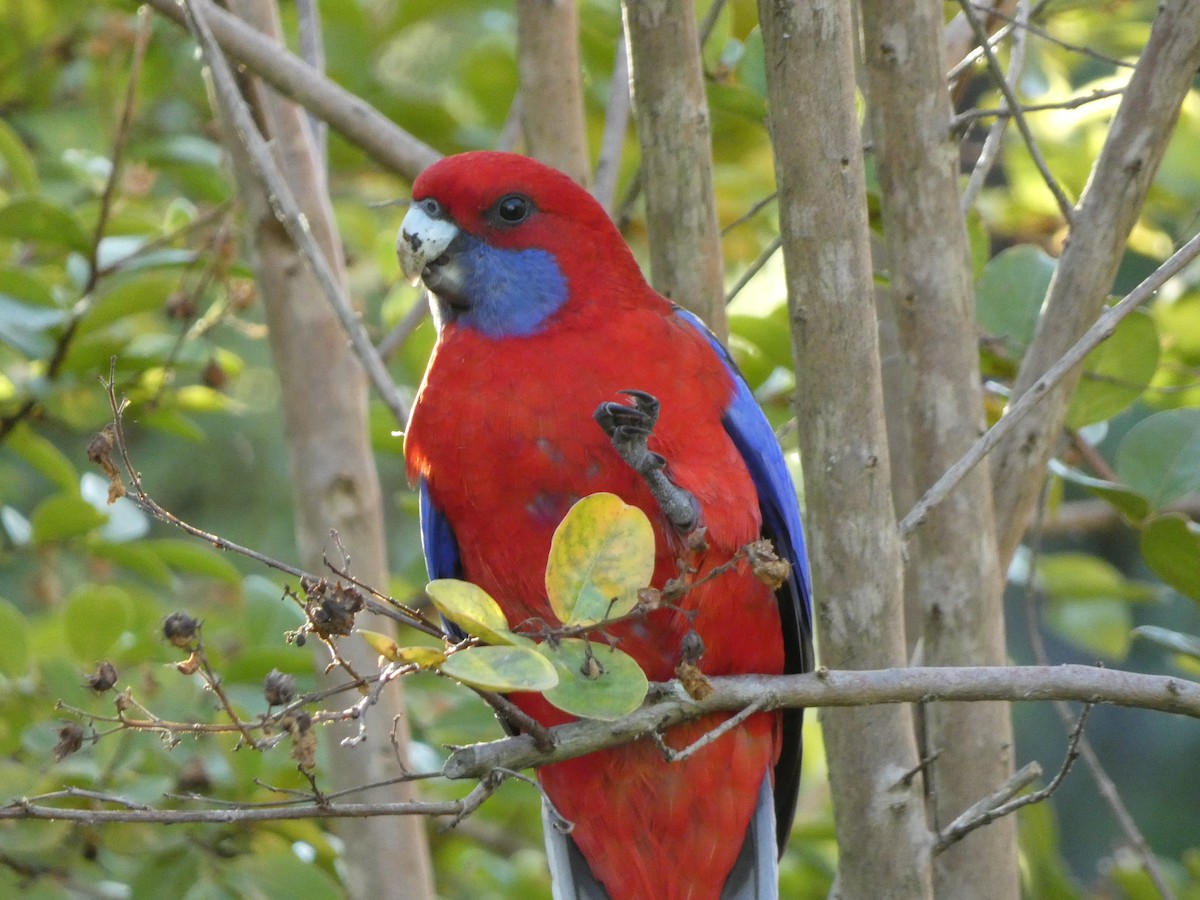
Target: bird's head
[{"x": 502, "y": 242}]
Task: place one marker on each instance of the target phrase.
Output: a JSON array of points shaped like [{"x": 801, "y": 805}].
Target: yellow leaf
[
  {"x": 472, "y": 609},
  {"x": 601, "y": 555},
  {"x": 381, "y": 644}
]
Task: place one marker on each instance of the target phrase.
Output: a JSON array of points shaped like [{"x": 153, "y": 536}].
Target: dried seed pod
[{"x": 180, "y": 629}]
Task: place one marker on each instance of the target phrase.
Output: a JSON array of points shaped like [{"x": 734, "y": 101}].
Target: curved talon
[
  {"x": 629, "y": 428},
  {"x": 645, "y": 403}
]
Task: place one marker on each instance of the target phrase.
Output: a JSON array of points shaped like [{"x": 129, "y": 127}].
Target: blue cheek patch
[{"x": 510, "y": 293}]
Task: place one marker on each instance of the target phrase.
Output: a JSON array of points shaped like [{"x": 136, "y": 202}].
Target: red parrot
[{"x": 545, "y": 323}]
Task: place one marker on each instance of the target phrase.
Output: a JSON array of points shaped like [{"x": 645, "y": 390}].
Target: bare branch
[
  {"x": 1003, "y": 801},
  {"x": 355, "y": 119},
  {"x": 1104, "y": 784},
  {"x": 1004, "y": 112},
  {"x": 1064, "y": 205},
  {"x": 1108, "y": 209},
  {"x": 984, "y": 811},
  {"x": 1021, "y": 407},
  {"x": 288, "y": 212},
  {"x": 847, "y": 688},
  {"x": 990, "y": 152},
  {"x": 389, "y": 607}
]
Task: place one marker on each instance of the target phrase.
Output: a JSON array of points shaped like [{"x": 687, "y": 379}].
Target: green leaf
[
  {"x": 594, "y": 681},
  {"x": 1131, "y": 503},
  {"x": 1079, "y": 576},
  {"x": 1117, "y": 372},
  {"x": 95, "y": 617},
  {"x": 281, "y": 874},
  {"x": 37, "y": 219},
  {"x": 1187, "y": 644},
  {"x": 472, "y": 609},
  {"x": 1102, "y": 626},
  {"x": 14, "y": 648},
  {"x": 1009, "y": 295},
  {"x": 501, "y": 669},
  {"x": 18, "y": 161},
  {"x": 43, "y": 456},
  {"x": 1171, "y": 547},
  {"x": 23, "y": 327},
  {"x": 64, "y": 515},
  {"x": 195, "y": 558},
  {"x": 601, "y": 555},
  {"x": 1160, "y": 456},
  {"x": 133, "y": 556}
]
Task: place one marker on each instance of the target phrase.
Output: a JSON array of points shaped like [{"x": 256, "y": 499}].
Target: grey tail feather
[
  {"x": 755, "y": 873},
  {"x": 571, "y": 877}
]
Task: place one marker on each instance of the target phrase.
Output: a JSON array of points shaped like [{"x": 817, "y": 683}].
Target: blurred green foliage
[{"x": 165, "y": 290}]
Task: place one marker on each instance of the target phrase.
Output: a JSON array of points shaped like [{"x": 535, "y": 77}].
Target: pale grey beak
[{"x": 421, "y": 241}]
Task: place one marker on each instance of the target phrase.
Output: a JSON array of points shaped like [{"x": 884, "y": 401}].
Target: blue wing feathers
[
  {"x": 752, "y": 435},
  {"x": 437, "y": 538}
]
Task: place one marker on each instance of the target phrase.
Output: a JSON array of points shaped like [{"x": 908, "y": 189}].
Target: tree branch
[
  {"x": 847, "y": 688},
  {"x": 1006, "y": 429},
  {"x": 288, "y": 212},
  {"x": 1107, "y": 211},
  {"x": 1014, "y": 106},
  {"x": 355, "y": 119}
]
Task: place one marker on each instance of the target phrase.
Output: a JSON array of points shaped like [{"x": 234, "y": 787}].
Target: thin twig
[
  {"x": 403, "y": 330},
  {"x": 1047, "y": 36},
  {"x": 990, "y": 152},
  {"x": 751, "y": 212},
  {"x": 147, "y": 504},
  {"x": 1064, "y": 205},
  {"x": 671, "y": 755},
  {"x": 754, "y": 268},
  {"x": 994, "y": 806},
  {"x": 312, "y": 51},
  {"x": 1100, "y": 331},
  {"x": 971, "y": 115},
  {"x": 986, "y": 809},
  {"x": 1104, "y": 783}
]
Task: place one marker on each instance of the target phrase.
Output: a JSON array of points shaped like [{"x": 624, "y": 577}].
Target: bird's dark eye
[
  {"x": 432, "y": 208},
  {"x": 513, "y": 209}
]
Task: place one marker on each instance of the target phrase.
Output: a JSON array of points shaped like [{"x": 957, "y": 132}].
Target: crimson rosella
[{"x": 545, "y": 323}]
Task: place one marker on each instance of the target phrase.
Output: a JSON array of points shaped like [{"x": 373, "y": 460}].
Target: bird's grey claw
[{"x": 629, "y": 428}]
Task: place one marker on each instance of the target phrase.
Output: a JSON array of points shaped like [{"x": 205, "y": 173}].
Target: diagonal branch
[
  {"x": 1020, "y": 408},
  {"x": 288, "y": 212},
  {"x": 355, "y": 119},
  {"x": 1107, "y": 211}
]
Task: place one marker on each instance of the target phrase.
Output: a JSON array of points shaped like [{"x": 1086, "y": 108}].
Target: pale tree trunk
[
  {"x": 1101, "y": 225},
  {"x": 671, "y": 112},
  {"x": 551, "y": 94},
  {"x": 884, "y": 844},
  {"x": 955, "y": 570},
  {"x": 333, "y": 474}
]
